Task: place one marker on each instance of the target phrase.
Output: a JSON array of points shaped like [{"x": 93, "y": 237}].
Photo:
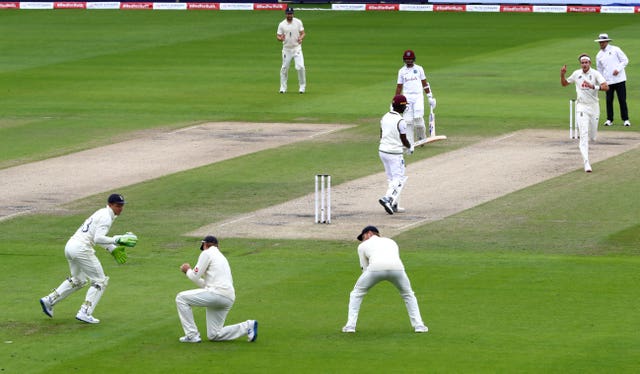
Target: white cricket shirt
[
  {"x": 291, "y": 31},
  {"x": 378, "y": 254},
  {"x": 213, "y": 272}
]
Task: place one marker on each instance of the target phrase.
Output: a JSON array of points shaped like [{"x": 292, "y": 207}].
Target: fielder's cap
[
  {"x": 115, "y": 198},
  {"x": 366, "y": 230},
  {"x": 208, "y": 239},
  {"x": 603, "y": 38},
  {"x": 399, "y": 100},
  {"x": 289, "y": 10}
]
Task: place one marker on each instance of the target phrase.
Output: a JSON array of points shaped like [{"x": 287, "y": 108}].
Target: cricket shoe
[
  {"x": 421, "y": 328},
  {"x": 47, "y": 308},
  {"x": 627, "y": 123},
  {"x": 190, "y": 339},
  {"x": 252, "y": 332},
  {"x": 608, "y": 123},
  {"x": 87, "y": 318},
  {"x": 587, "y": 167},
  {"x": 349, "y": 329},
  {"x": 386, "y": 204},
  {"x": 398, "y": 209}
]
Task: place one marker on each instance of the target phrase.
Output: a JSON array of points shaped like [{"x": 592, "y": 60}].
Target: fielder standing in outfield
[
  {"x": 291, "y": 33},
  {"x": 588, "y": 82},
  {"x": 411, "y": 83},
  {"x": 611, "y": 62},
  {"x": 83, "y": 263},
  {"x": 393, "y": 142},
  {"x": 215, "y": 291},
  {"x": 380, "y": 261}
]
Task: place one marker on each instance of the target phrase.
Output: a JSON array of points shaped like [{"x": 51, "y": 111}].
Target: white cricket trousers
[
  {"x": 399, "y": 279},
  {"x": 84, "y": 267},
  {"x": 218, "y": 307},
  {"x": 298, "y": 58},
  {"x": 394, "y": 169},
  {"x": 587, "y": 117}
]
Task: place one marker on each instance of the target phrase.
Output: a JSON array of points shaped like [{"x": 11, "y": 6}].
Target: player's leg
[
  {"x": 397, "y": 178},
  {"x": 284, "y": 70},
  {"x": 609, "y": 104},
  {"x": 582, "y": 122},
  {"x": 184, "y": 301},
  {"x": 420, "y": 128},
  {"x": 408, "y": 119},
  {"x": 302, "y": 75},
  {"x": 98, "y": 283},
  {"x": 76, "y": 281},
  {"x": 622, "y": 101},
  {"x": 397, "y": 208},
  {"x": 401, "y": 282},
  {"x": 366, "y": 280},
  {"x": 418, "y": 118}
]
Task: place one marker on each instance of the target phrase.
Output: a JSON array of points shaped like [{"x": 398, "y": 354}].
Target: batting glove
[
  {"x": 432, "y": 102},
  {"x": 409, "y": 151},
  {"x": 128, "y": 240},
  {"x": 120, "y": 254}
]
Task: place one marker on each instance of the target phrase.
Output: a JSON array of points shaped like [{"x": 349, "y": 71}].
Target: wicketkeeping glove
[
  {"x": 120, "y": 254},
  {"x": 128, "y": 240}
]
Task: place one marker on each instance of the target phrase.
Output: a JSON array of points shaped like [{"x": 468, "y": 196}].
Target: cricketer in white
[
  {"x": 212, "y": 275},
  {"x": 83, "y": 263},
  {"x": 412, "y": 82},
  {"x": 380, "y": 261},
  {"x": 588, "y": 82},
  {"x": 393, "y": 142}
]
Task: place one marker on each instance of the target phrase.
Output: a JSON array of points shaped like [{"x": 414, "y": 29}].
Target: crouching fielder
[
  {"x": 588, "y": 82},
  {"x": 212, "y": 275},
  {"x": 380, "y": 261},
  {"x": 393, "y": 141}
]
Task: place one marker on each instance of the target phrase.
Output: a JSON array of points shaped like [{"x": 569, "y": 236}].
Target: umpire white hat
[{"x": 603, "y": 38}]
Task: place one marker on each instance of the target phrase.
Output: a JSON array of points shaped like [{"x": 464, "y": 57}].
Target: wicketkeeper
[{"x": 83, "y": 263}]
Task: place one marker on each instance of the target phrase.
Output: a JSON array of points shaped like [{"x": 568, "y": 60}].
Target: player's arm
[
  {"x": 563, "y": 71},
  {"x": 302, "y": 35},
  {"x": 196, "y": 273},
  {"x": 399, "y": 88},
  {"x": 402, "y": 129}
]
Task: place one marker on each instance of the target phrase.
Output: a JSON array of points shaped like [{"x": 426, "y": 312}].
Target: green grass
[{"x": 541, "y": 280}]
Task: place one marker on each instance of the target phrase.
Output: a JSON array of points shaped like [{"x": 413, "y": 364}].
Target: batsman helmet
[
  {"x": 399, "y": 103},
  {"x": 408, "y": 55}
]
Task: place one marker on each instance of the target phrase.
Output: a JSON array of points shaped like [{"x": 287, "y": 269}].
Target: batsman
[{"x": 412, "y": 82}]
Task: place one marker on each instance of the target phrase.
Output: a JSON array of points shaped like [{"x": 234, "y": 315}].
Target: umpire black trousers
[{"x": 620, "y": 89}]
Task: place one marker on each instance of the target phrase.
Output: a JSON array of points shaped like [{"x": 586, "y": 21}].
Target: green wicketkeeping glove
[
  {"x": 120, "y": 254},
  {"x": 128, "y": 240}
]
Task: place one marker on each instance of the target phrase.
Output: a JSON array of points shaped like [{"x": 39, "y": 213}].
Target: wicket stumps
[
  {"x": 323, "y": 198},
  {"x": 573, "y": 128}
]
